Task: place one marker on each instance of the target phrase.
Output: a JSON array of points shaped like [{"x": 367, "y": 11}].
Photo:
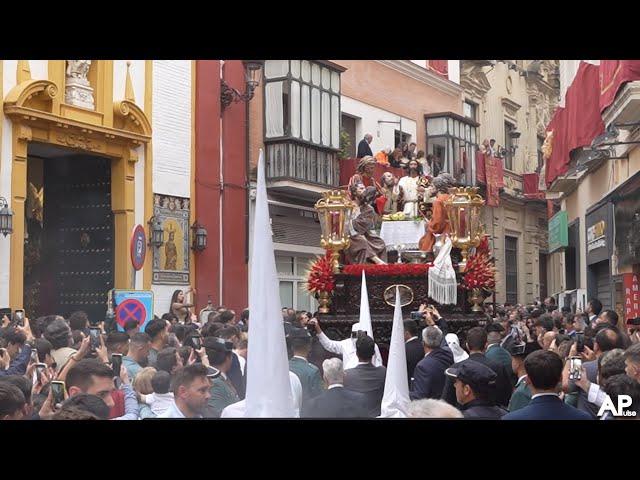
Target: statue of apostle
[{"x": 365, "y": 244}]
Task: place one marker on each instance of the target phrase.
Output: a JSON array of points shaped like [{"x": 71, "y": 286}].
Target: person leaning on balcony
[
  {"x": 364, "y": 149},
  {"x": 382, "y": 157},
  {"x": 439, "y": 222}
]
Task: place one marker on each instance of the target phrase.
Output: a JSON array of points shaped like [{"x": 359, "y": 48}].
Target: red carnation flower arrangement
[
  {"x": 480, "y": 272},
  {"x": 320, "y": 275}
]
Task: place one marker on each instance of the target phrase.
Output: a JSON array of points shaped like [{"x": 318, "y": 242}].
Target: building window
[
  {"x": 511, "y": 268},
  {"x": 470, "y": 110},
  {"x": 302, "y": 101},
  {"x": 349, "y": 127},
  {"x": 401, "y": 137},
  {"x": 291, "y": 275},
  {"x": 452, "y": 139},
  {"x": 508, "y": 145}
]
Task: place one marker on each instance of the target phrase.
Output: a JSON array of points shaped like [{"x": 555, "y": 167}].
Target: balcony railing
[{"x": 290, "y": 160}]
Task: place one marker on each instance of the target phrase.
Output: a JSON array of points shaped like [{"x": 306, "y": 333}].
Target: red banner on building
[
  {"x": 631, "y": 295},
  {"x": 480, "y": 175},
  {"x": 495, "y": 180},
  {"x": 613, "y": 75}
]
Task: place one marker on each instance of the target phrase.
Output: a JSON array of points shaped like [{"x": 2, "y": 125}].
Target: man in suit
[
  {"x": 429, "y": 377},
  {"x": 476, "y": 341},
  {"x": 363, "y": 147},
  {"x": 223, "y": 393},
  {"x": 606, "y": 340},
  {"x": 336, "y": 401},
  {"x": 594, "y": 307},
  {"x": 413, "y": 347},
  {"x": 473, "y": 383},
  {"x": 522, "y": 394},
  {"x": 365, "y": 378},
  {"x": 309, "y": 375},
  {"x": 494, "y": 351},
  {"x": 544, "y": 374}
]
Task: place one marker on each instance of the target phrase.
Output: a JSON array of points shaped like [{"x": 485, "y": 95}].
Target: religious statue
[
  {"x": 411, "y": 188},
  {"x": 78, "y": 90},
  {"x": 392, "y": 195},
  {"x": 439, "y": 221},
  {"x": 78, "y": 69},
  {"x": 364, "y": 174},
  {"x": 365, "y": 244},
  {"x": 170, "y": 251}
]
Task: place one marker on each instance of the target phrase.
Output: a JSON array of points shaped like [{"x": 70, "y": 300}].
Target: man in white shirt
[
  {"x": 346, "y": 348},
  {"x": 237, "y": 410},
  {"x": 192, "y": 390}
]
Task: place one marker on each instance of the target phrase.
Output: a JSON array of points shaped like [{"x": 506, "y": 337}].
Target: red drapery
[
  {"x": 348, "y": 168},
  {"x": 577, "y": 123},
  {"x": 613, "y": 75}
]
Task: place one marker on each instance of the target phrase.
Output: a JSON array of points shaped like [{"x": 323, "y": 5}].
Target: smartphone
[
  {"x": 417, "y": 315},
  {"x": 18, "y": 316},
  {"x": 94, "y": 333},
  {"x": 116, "y": 363},
  {"x": 580, "y": 342},
  {"x": 57, "y": 388},
  {"x": 197, "y": 342},
  {"x": 575, "y": 368},
  {"x": 37, "y": 372},
  {"x": 34, "y": 355}
]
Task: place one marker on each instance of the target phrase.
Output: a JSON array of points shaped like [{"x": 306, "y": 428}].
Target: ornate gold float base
[{"x": 324, "y": 300}]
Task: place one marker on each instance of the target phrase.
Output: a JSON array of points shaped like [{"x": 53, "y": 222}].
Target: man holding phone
[{"x": 15, "y": 358}]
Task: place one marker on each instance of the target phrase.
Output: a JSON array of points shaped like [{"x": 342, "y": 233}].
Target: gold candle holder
[
  {"x": 334, "y": 212},
  {"x": 464, "y": 207}
]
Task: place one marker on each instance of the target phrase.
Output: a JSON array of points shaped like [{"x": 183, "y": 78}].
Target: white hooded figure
[
  {"x": 347, "y": 348},
  {"x": 454, "y": 345}
]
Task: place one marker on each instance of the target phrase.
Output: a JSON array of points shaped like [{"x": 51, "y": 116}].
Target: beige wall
[{"x": 498, "y": 92}]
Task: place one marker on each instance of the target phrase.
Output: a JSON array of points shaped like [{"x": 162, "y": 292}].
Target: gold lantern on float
[
  {"x": 334, "y": 212},
  {"x": 464, "y": 207}
]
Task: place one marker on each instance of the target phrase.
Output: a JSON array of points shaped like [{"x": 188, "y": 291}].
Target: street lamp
[
  {"x": 156, "y": 233},
  {"x": 6, "y": 217},
  {"x": 334, "y": 212},
  {"x": 199, "y": 237},
  {"x": 229, "y": 94}
]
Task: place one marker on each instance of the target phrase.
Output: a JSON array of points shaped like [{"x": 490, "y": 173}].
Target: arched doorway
[{"x": 108, "y": 141}]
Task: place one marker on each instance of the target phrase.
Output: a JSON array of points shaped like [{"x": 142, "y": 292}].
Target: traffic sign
[
  {"x": 138, "y": 247},
  {"x": 133, "y": 305}
]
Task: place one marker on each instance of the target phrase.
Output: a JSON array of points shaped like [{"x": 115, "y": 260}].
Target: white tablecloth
[{"x": 406, "y": 233}]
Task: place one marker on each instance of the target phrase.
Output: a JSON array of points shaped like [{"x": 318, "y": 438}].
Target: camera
[{"x": 575, "y": 368}]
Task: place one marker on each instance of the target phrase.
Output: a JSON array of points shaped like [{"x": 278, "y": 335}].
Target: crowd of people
[{"x": 529, "y": 362}]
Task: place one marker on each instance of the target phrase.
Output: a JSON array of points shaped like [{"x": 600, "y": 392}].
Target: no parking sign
[{"x": 133, "y": 305}]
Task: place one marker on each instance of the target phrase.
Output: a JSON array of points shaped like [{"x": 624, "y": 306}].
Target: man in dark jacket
[
  {"x": 308, "y": 373},
  {"x": 365, "y": 378},
  {"x": 473, "y": 383},
  {"x": 336, "y": 401},
  {"x": 429, "y": 377},
  {"x": 413, "y": 347},
  {"x": 544, "y": 373},
  {"x": 476, "y": 341},
  {"x": 363, "y": 147}
]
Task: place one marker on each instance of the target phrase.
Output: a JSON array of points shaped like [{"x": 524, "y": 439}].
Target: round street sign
[
  {"x": 138, "y": 247},
  {"x": 130, "y": 309}
]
